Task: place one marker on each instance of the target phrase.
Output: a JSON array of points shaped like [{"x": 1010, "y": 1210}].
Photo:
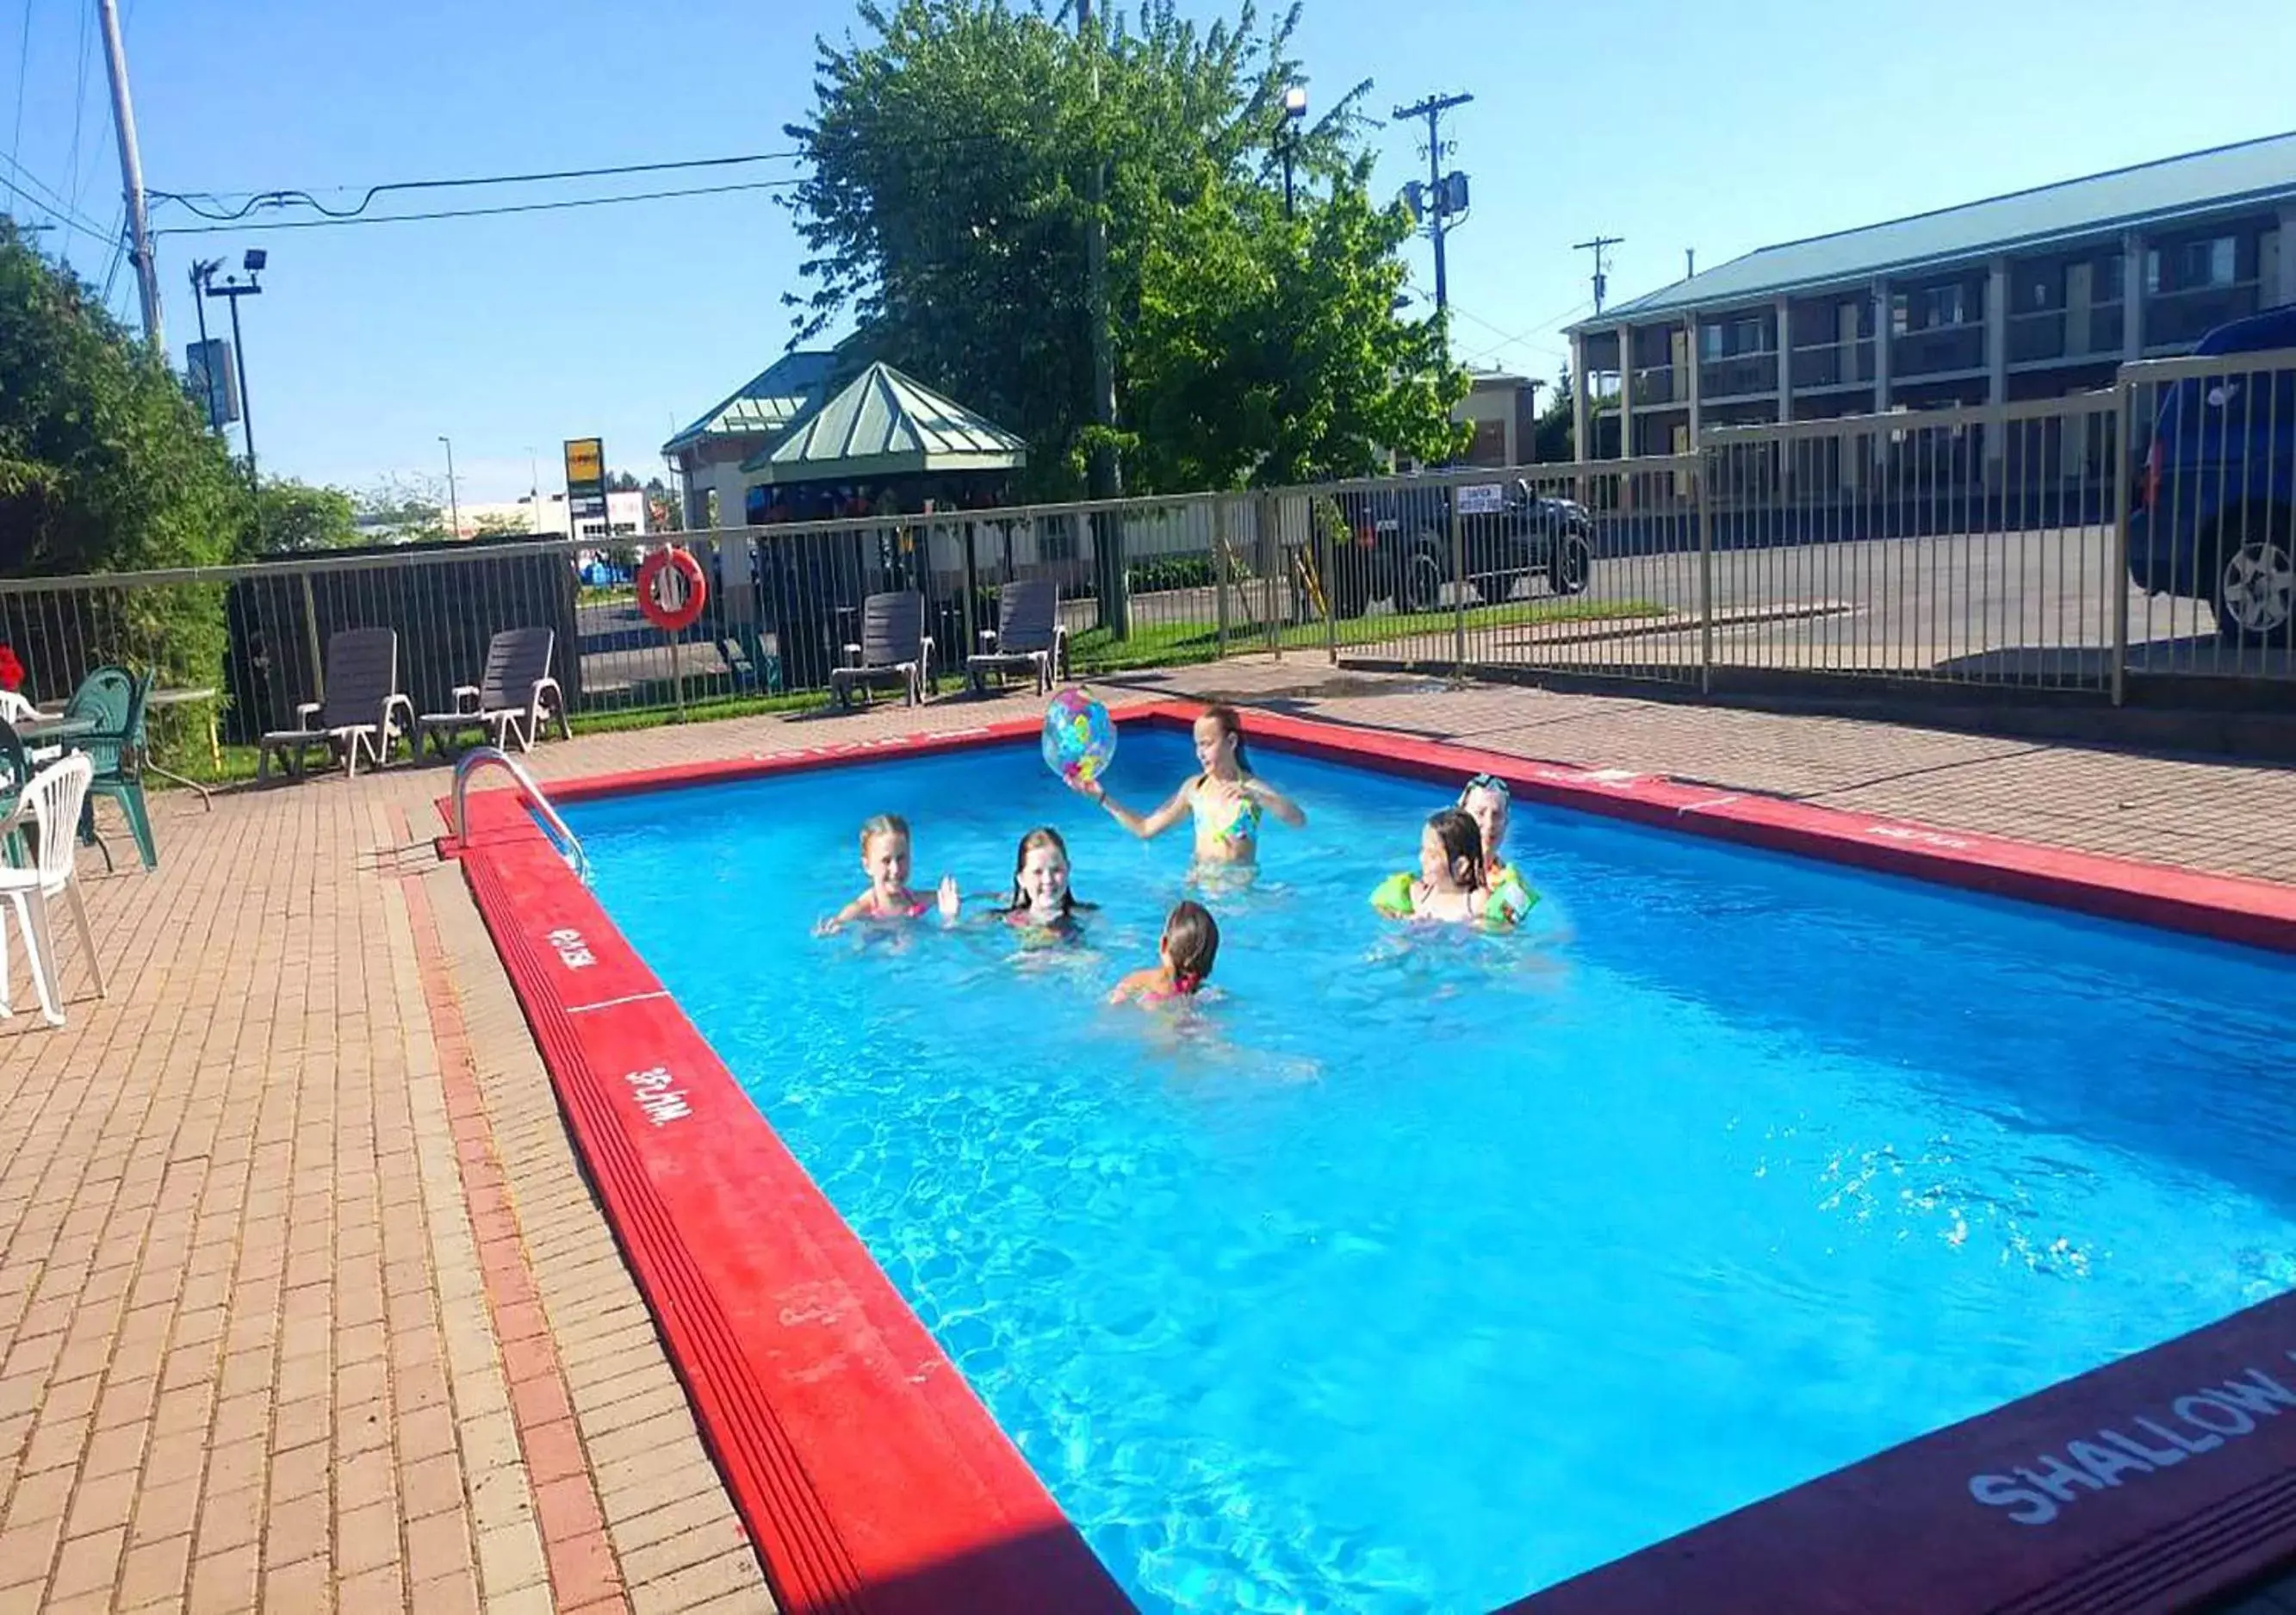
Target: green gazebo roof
[
  {"x": 771, "y": 401},
  {"x": 886, "y": 424}
]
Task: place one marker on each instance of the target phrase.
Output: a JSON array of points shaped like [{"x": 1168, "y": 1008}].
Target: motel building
[{"x": 2039, "y": 294}]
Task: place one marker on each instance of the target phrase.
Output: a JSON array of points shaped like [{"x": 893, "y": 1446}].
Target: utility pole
[
  {"x": 1106, "y": 472},
  {"x": 131, "y": 178},
  {"x": 454, "y": 503},
  {"x": 1600, "y": 247},
  {"x": 1439, "y": 195}
]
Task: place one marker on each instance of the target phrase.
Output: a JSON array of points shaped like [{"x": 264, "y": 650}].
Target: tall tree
[
  {"x": 104, "y": 465},
  {"x": 944, "y": 208},
  {"x": 1266, "y": 350},
  {"x": 300, "y": 516}
]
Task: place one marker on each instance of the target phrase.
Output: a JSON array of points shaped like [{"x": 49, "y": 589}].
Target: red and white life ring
[{"x": 672, "y": 590}]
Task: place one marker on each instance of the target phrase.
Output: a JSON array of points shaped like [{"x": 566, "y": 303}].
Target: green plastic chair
[
  {"x": 116, "y": 698},
  {"x": 15, "y": 774}
]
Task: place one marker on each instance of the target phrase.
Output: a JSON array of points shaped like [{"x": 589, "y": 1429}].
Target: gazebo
[
  {"x": 885, "y": 450},
  {"x": 885, "y": 445}
]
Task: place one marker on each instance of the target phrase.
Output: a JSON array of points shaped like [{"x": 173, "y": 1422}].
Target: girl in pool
[
  {"x": 1184, "y": 959},
  {"x": 1226, "y": 798},
  {"x": 1452, "y": 886},
  {"x": 885, "y": 860},
  {"x": 1042, "y": 906}
]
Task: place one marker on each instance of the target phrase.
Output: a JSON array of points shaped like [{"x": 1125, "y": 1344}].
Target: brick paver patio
[{"x": 304, "y": 1302}]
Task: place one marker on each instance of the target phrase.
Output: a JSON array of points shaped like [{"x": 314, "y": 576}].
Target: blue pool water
[{"x": 1420, "y": 1271}]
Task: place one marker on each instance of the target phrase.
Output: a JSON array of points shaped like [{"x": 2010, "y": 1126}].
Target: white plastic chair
[
  {"x": 16, "y": 708},
  {"x": 52, "y": 798}
]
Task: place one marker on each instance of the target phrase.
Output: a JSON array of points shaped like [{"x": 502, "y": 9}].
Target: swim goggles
[{"x": 1491, "y": 783}]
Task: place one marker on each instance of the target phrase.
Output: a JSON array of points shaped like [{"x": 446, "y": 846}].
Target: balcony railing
[
  {"x": 1941, "y": 350},
  {"x": 1834, "y": 365},
  {"x": 2176, "y": 319},
  {"x": 1741, "y": 376},
  {"x": 2060, "y": 334},
  {"x": 1655, "y": 384}
]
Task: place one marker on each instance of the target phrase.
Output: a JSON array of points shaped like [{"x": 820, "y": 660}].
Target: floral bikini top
[{"x": 1232, "y": 821}]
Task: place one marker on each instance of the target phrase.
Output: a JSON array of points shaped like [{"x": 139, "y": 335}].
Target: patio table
[
  {"x": 45, "y": 738},
  {"x": 182, "y": 698}
]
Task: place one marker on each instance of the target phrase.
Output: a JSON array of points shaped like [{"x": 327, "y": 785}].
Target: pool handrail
[{"x": 478, "y": 757}]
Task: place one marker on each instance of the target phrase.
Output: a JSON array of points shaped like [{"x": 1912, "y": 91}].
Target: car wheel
[
  {"x": 2255, "y": 593},
  {"x": 1573, "y": 563},
  {"x": 1422, "y": 582}
]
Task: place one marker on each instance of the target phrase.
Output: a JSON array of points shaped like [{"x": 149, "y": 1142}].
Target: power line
[
  {"x": 23, "y": 61},
  {"x": 1519, "y": 338},
  {"x": 304, "y": 198},
  {"x": 42, "y": 195},
  {"x": 337, "y": 221},
  {"x": 79, "y": 102},
  {"x": 118, "y": 256}
]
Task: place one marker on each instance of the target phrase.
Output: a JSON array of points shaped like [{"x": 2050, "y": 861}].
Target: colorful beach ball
[{"x": 1079, "y": 739}]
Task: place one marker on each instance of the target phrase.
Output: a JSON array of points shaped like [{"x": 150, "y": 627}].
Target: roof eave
[
  {"x": 1646, "y": 307},
  {"x": 907, "y": 463}
]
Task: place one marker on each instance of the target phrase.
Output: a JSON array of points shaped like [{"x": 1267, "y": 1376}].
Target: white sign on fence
[{"x": 1482, "y": 499}]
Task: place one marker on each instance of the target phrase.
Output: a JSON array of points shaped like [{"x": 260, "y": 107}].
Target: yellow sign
[{"x": 586, "y": 461}]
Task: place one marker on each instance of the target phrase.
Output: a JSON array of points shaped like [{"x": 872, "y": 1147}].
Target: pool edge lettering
[
  {"x": 662, "y": 1102},
  {"x": 2037, "y": 1493},
  {"x": 572, "y": 948}
]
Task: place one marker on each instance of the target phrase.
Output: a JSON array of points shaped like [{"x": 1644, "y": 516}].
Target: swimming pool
[{"x": 1429, "y": 1271}]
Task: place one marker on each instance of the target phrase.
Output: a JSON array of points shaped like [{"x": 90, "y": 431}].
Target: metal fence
[{"x": 2063, "y": 543}]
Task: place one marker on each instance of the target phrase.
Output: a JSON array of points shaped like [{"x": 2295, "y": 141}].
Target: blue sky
[{"x": 1719, "y": 126}]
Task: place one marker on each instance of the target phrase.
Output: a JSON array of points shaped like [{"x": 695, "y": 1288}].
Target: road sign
[{"x": 586, "y": 479}]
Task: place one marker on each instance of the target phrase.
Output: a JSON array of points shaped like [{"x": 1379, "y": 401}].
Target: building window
[
  {"x": 1490, "y": 447},
  {"x": 2039, "y": 288},
  {"x": 1729, "y": 338},
  {"x": 1929, "y": 307},
  {"x": 2199, "y": 266}
]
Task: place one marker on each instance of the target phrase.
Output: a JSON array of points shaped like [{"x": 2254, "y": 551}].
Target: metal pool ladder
[{"x": 478, "y": 757}]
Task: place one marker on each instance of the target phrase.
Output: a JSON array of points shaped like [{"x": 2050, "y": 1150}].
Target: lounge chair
[
  {"x": 894, "y": 648},
  {"x": 51, "y": 807},
  {"x": 1029, "y": 636},
  {"x": 363, "y": 710},
  {"x": 511, "y": 699}
]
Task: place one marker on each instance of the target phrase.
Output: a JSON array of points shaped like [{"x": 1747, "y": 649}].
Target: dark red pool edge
[{"x": 872, "y": 1479}]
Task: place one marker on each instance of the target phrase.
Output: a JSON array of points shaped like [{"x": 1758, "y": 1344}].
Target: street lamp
[
  {"x": 232, "y": 290},
  {"x": 1287, "y": 135},
  {"x": 453, "y": 502}
]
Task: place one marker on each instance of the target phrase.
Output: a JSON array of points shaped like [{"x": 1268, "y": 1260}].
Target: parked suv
[
  {"x": 1397, "y": 544},
  {"x": 2216, "y": 514}
]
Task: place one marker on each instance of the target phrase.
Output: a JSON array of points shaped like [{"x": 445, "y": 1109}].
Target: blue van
[{"x": 2216, "y": 511}]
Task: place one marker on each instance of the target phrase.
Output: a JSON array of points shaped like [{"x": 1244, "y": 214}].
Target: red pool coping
[{"x": 875, "y": 1482}]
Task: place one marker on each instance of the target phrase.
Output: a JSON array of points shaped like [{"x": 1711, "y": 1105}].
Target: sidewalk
[{"x": 304, "y": 1302}]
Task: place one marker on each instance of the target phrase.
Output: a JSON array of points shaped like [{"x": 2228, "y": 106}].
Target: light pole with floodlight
[
  {"x": 232, "y": 290},
  {"x": 1287, "y": 135}
]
